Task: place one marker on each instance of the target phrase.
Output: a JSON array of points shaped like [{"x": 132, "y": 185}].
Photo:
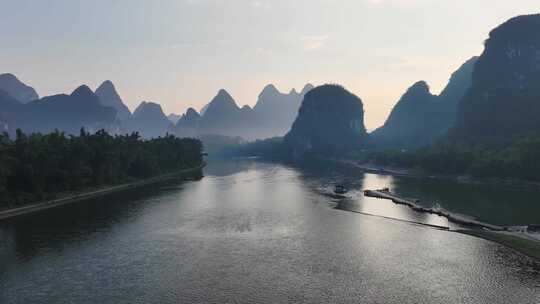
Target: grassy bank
[
  {"x": 82, "y": 196},
  {"x": 523, "y": 245}
]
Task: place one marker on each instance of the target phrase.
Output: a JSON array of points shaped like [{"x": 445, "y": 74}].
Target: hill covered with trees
[
  {"x": 330, "y": 119},
  {"x": 503, "y": 103},
  {"x": 37, "y": 167}
]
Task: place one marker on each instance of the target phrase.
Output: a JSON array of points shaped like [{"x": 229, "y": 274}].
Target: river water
[{"x": 254, "y": 232}]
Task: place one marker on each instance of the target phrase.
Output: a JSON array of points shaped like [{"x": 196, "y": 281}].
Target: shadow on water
[
  {"x": 78, "y": 221},
  {"x": 495, "y": 204}
]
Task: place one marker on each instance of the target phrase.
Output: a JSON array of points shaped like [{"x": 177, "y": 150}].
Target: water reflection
[
  {"x": 494, "y": 204},
  {"x": 265, "y": 233}
]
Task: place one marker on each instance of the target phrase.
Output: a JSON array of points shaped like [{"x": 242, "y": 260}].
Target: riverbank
[
  {"x": 386, "y": 194},
  {"x": 39, "y": 206},
  {"x": 412, "y": 173},
  {"x": 519, "y": 241}
]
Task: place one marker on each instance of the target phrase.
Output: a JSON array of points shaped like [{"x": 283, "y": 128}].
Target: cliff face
[
  {"x": 503, "y": 102},
  {"x": 330, "y": 119},
  {"x": 419, "y": 117}
]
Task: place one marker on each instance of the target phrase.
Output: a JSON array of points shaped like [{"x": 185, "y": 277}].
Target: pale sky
[{"x": 179, "y": 53}]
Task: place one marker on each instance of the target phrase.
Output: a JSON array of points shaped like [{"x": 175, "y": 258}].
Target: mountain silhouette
[
  {"x": 222, "y": 117},
  {"x": 174, "y": 117},
  {"x": 188, "y": 124},
  {"x": 330, "y": 119},
  {"x": 10, "y": 84},
  {"x": 109, "y": 97},
  {"x": 67, "y": 113},
  {"x": 503, "y": 103},
  {"x": 272, "y": 115},
  {"x": 149, "y": 120},
  {"x": 409, "y": 121},
  {"x": 275, "y": 111},
  {"x": 419, "y": 117},
  {"x": 11, "y": 112}
]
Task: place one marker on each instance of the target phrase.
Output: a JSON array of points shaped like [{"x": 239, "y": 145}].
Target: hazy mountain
[
  {"x": 330, "y": 119},
  {"x": 410, "y": 120},
  {"x": 275, "y": 111},
  {"x": 11, "y": 111},
  {"x": 457, "y": 87},
  {"x": 308, "y": 87},
  {"x": 419, "y": 117},
  {"x": 18, "y": 90},
  {"x": 109, "y": 97},
  {"x": 149, "y": 120},
  {"x": 67, "y": 113},
  {"x": 203, "y": 109},
  {"x": 174, "y": 117},
  {"x": 503, "y": 102},
  {"x": 222, "y": 117},
  {"x": 188, "y": 124}
]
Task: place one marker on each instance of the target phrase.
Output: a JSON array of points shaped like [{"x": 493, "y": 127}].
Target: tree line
[
  {"x": 39, "y": 166},
  {"x": 519, "y": 160}
]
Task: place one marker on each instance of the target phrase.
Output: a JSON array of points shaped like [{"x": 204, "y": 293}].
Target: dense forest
[
  {"x": 37, "y": 166},
  {"x": 520, "y": 160}
]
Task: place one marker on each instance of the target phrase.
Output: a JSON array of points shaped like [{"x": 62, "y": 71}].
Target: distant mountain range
[
  {"x": 68, "y": 113},
  {"x": 491, "y": 99},
  {"x": 149, "y": 121},
  {"x": 271, "y": 116},
  {"x": 20, "y": 107}
]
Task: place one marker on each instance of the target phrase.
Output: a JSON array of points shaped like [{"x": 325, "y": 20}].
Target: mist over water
[{"x": 253, "y": 232}]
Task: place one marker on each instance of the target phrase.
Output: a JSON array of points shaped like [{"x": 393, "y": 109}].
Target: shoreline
[
  {"x": 411, "y": 173},
  {"x": 520, "y": 242},
  {"x": 385, "y": 194},
  {"x": 70, "y": 199}
]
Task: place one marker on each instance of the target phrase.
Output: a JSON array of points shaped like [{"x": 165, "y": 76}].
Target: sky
[{"x": 179, "y": 53}]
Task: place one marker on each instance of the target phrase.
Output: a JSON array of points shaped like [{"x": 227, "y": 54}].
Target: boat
[{"x": 340, "y": 189}]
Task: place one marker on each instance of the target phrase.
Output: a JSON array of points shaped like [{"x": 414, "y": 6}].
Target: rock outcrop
[
  {"x": 330, "y": 119},
  {"x": 503, "y": 103}
]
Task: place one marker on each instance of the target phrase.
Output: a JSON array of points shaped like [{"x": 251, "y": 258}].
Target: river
[{"x": 256, "y": 232}]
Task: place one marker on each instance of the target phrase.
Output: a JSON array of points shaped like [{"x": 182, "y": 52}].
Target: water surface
[{"x": 252, "y": 232}]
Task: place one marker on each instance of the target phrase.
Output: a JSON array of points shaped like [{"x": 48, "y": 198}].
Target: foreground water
[{"x": 252, "y": 232}]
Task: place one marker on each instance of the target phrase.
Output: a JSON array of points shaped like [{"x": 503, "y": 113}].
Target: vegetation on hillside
[
  {"x": 37, "y": 166},
  {"x": 520, "y": 160}
]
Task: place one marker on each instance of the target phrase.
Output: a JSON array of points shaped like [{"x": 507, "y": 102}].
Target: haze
[{"x": 179, "y": 53}]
